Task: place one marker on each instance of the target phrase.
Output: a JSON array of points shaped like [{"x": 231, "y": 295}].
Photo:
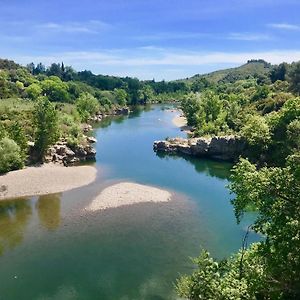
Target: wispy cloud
[
  {"x": 247, "y": 36},
  {"x": 285, "y": 26},
  {"x": 172, "y": 36},
  {"x": 92, "y": 26},
  {"x": 167, "y": 57},
  {"x": 157, "y": 63},
  {"x": 32, "y": 27},
  {"x": 239, "y": 36}
]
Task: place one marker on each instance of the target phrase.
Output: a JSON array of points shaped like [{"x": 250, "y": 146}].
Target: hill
[{"x": 253, "y": 68}]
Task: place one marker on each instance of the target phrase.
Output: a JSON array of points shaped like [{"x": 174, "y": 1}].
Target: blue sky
[{"x": 150, "y": 39}]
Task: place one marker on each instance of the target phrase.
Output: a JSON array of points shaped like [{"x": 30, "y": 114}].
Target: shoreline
[
  {"x": 44, "y": 179},
  {"x": 179, "y": 121},
  {"x": 127, "y": 193}
]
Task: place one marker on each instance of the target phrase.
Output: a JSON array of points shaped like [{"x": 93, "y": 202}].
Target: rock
[
  {"x": 60, "y": 150},
  {"x": 79, "y": 151},
  {"x": 86, "y": 127},
  {"x": 122, "y": 111},
  {"x": 30, "y": 144},
  {"x": 223, "y": 147},
  {"x": 69, "y": 153},
  {"x": 91, "y": 139},
  {"x": 62, "y": 154}
]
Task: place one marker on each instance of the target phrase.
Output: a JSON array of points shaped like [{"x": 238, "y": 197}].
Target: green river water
[{"x": 51, "y": 248}]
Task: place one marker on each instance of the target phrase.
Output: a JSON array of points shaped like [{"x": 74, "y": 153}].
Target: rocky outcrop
[
  {"x": 219, "y": 147},
  {"x": 70, "y": 155}
]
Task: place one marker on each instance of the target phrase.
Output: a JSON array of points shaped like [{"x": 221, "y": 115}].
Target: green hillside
[{"x": 253, "y": 68}]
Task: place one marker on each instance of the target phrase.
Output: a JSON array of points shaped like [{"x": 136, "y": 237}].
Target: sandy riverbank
[
  {"x": 128, "y": 193},
  {"x": 179, "y": 121},
  {"x": 45, "y": 179}
]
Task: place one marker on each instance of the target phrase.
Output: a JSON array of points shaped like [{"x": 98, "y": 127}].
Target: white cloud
[
  {"x": 172, "y": 36},
  {"x": 92, "y": 26},
  {"x": 247, "y": 36},
  {"x": 285, "y": 26},
  {"x": 167, "y": 63}
]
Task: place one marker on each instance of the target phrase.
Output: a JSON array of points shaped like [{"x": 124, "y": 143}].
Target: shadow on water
[
  {"x": 212, "y": 168},
  {"x": 14, "y": 217},
  {"x": 48, "y": 209}
]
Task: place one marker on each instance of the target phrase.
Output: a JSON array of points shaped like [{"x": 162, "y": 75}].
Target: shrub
[{"x": 10, "y": 156}]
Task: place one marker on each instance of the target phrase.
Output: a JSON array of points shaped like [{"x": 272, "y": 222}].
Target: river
[{"x": 52, "y": 248}]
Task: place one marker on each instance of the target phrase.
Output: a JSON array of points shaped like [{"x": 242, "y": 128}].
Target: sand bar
[
  {"x": 45, "y": 179},
  {"x": 128, "y": 193}
]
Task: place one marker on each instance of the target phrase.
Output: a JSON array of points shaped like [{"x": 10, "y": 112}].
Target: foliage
[
  {"x": 34, "y": 91},
  {"x": 121, "y": 96},
  {"x": 46, "y": 126},
  {"x": 145, "y": 94},
  {"x": 87, "y": 105},
  {"x": 55, "y": 89},
  {"x": 238, "y": 277},
  {"x": 10, "y": 156},
  {"x": 205, "y": 112},
  {"x": 16, "y": 133},
  {"x": 70, "y": 129},
  {"x": 275, "y": 193},
  {"x": 269, "y": 269},
  {"x": 294, "y": 76},
  {"x": 256, "y": 132}
]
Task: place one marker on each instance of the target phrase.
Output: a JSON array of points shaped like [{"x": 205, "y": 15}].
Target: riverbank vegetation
[
  {"x": 40, "y": 105},
  {"x": 265, "y": 111}
]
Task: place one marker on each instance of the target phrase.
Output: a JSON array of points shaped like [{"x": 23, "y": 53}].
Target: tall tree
[{"x": 46, "y": 124}]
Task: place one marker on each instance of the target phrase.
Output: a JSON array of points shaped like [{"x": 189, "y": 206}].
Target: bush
[
  {"x": 87, "y": 105},
  {"x": 10, "y": 156}
]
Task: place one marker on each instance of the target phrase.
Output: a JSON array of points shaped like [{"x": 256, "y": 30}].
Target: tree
[
  {"x": 274, "y": 192},
  {"x": 33, "y": 91},
  {"x": 55, "y": 89},
  {"x": 278, "y": 72},
  {"x": 145, "y": 94},
  {"x": 294, "y": 78},
  {"x": 262, "y": 92},
  {"x": 10, "y": 156},
  {"x": 205, "y": 112},
  {"x": 269, "y": 269},
  {"x": 257, "y": 132},
  {"x": 46, "y": 124},
  {"x": 87, "y": 105},
  {"x": 240, "y": 277},
  {"x": 55, "y": 70},
  {"x": 121, "y": 96},
  {"x": 200, "y": 84},
  {"x": 17, "y": 134},
  {"x": 4, "y": 85}
]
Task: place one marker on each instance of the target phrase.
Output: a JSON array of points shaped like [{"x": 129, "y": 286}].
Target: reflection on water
[
  {"x": 48, "y": 208},
  {"x": 14, "y": 216},
  {"x": 209, "y": 167}
]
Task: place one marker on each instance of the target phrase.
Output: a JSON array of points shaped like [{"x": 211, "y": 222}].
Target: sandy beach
[
  {"x": 45, "y": 179},
  {"x": 128, "y": 193},
  {"x": 179, "y": 121}
]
